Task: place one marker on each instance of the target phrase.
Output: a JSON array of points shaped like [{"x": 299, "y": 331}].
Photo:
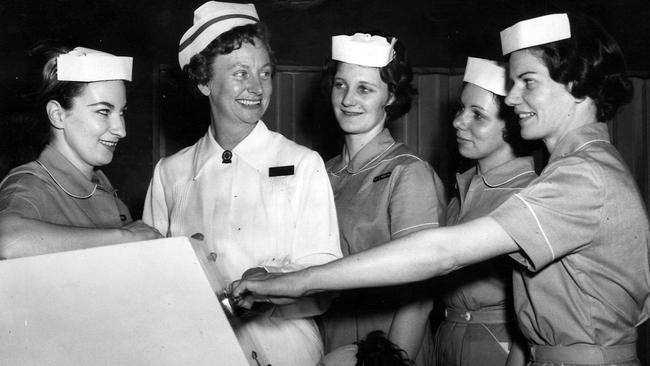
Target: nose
[
  {"x": 254, "y": 85},
  {"x": 118, "y": 126},
  {"x": 460, "y": 121},
  {"x": 348, "y": 98},
  {"x": 514, "y": 97}
]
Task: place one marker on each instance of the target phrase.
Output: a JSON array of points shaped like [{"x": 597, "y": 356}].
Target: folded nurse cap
[
  {"x": 210, "y": 21},
  {"x": 534, "y": 32},
  {"x": 87, "y": 65},
  {"x": 363, "y": 49},
  {"x": 487, "y": 74}
]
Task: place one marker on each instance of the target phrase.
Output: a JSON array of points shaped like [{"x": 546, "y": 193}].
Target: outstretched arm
[
  {"x": 23, "y": 237},
  {"x": 418, "y": 256}
]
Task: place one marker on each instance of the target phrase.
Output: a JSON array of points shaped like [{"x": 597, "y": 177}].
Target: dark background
[{"x": 438, "y": 34}]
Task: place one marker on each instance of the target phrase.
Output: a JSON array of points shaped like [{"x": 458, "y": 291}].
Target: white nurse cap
[
  {"x": 487, "y": 74},
  {"x": 211, "y": 20},
  {"x": 87, "y": 65},
  {"x": 535, "y": 31},
  {"x": 363, "y": 49}
]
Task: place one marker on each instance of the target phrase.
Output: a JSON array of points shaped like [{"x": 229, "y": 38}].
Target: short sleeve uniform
[
  {"x": 478, "y": 298},
  {"x": 584, "y": 275},
  {"x": 269, "y": 204},
  {"x": 382, "y": 193},
  {"x": 51, "y": 189}
]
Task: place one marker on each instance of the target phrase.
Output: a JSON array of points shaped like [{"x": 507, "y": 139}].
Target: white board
[{"x": 144, "y": 303}]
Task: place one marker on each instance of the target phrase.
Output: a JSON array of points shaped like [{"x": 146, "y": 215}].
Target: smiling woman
[
  {"x": 382, "y": 189},
  {"x": 62, "y": 201},
  {"x": 252, "y": 199}
]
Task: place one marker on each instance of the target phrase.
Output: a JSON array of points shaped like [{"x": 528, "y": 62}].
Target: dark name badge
[
  {"x": 279, "y": 171},
  {"x": 381, "y": 176}
]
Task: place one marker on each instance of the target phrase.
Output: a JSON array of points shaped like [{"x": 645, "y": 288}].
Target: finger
[
  {"x": 246, "y": 302},
  {"x": 239, "y": 288}
]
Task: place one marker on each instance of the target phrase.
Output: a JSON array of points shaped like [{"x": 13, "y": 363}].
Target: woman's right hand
[
  {"x": 276, "y": 288},
  {"x": 138, "y": 230}
]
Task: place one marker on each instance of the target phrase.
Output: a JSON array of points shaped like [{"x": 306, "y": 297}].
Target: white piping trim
[
  {"x": 589, "y": 142},
  {"x": 507, "y": 181},
  {"x": 377, "y": 157},
  {"x": 384, "y": 161},
  {"x": 414, "y": 226},
  {"x": 365, "y": 167},
  {"x": 65, "y": 190},
  {"x": 548, "y": 243}
]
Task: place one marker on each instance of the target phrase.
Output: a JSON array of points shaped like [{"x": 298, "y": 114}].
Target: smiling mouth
[
  {"x": 523, "y": 116},
  {"x": 350, "y": 113},
  {"x": 249, "y": 103},
  {"x": 109, "y": 144}
]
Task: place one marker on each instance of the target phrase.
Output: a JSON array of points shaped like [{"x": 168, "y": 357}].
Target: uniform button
[
  {"x": 468, "y": 316},
  {"x": 212, "y": 256}
]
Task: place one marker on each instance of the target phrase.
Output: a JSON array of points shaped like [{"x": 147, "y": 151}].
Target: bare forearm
[
  {"x": 409, "y": 325},
  {"x": 418, "y": 256},
  {"x": 22, "y": 237}
]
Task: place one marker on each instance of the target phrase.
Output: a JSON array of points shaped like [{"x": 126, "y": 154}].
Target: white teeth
[
  {"x": 525, "y": 115},
  {"x": 108, "y": 143},
  {"x": 248, "y": 102}
]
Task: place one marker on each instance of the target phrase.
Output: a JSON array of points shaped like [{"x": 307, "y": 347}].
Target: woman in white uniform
[{"x": 253, "y": 200}]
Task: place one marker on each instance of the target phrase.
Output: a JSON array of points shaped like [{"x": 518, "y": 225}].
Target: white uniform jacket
[{"x": 270, "y": 206}]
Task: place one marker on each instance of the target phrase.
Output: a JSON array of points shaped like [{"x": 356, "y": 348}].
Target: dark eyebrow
[
  {"x": 368, "y": 83},
  {"x": 478, "y": 107},
  {"x": 524, "y": 73},
  {"x": 104, "y": 104}
]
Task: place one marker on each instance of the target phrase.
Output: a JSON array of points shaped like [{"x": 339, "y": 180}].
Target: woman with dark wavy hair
[
  {"x": 382, "y": 189},
  {"x": 578, "y": 233}
]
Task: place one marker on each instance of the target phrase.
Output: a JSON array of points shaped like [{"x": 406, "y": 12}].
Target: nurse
[
  {"x": 253, "y": 200},
  {"x": 62, "y": 201},
  {"x": 382, "y": 190},
  {"x": 578, "y": 233},
  {"x": 480, "y": 326}
]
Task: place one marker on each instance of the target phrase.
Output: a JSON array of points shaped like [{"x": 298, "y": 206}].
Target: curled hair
[
  {"x": 397, "y": 75},
  {"x": 377, "y": 350},
  {"x": 591, "y": 64},
  {"x": 199, "y": 70}
]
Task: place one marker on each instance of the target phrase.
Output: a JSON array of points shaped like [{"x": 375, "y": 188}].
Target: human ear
[
  {"x": 55, "y": 113},
  {"x": 204, "y": 89},
  {"x": 569, "y": 87},
  {"x": 391, "y": 100}
]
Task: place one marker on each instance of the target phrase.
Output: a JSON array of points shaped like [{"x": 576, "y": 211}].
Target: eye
[
  {"x": 265, "y": 75},
  {"x": 365, "y": 89},
  {"x": 241, "y": 74},
  {"x": 338, "y": 84},
  {"x": 104, "y": 112},
  {"x": 530, "y": 83}
]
